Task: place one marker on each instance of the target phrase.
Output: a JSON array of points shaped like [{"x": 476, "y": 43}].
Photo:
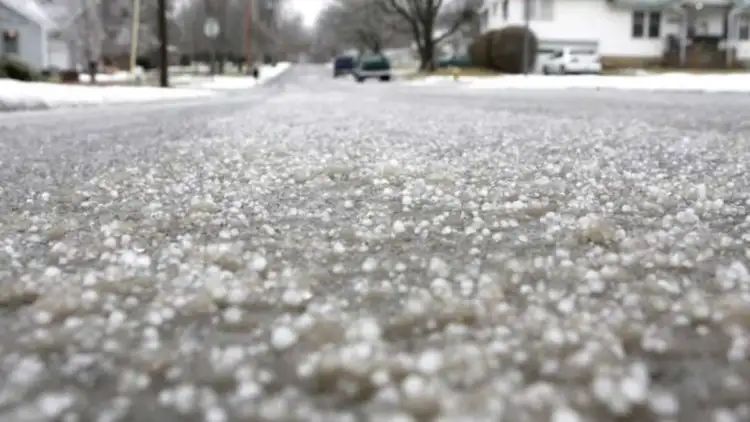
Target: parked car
[
  {"x": 573, "y": 60},
  {"x": 343, "y": 65},
  {"x": 377, "y": 66}
]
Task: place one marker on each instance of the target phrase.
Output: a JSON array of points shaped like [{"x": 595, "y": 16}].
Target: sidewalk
[{"x": 732, "y": 82}]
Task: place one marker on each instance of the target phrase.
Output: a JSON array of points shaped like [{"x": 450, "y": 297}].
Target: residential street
[{"x": 317, "y": 249}]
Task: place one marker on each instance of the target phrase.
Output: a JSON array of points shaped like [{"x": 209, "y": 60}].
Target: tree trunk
[{"x": 427, "y": 56}]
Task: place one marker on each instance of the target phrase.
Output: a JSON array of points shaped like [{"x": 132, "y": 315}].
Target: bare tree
[
  {"x": 233, "y": 38},
  {"x": 357, "y": 24},
  {"x": 366, "y": 25},
  {"x": 431, "y": 22}
]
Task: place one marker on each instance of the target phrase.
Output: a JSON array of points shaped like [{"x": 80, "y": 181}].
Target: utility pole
[
  {"x": 525, "y": 53},
  {"x": 88, "y": 42},
  {"x": 164, "y": 40},
  {"x": 134, "y": 34},
  {"x": 249, "y": 36}
]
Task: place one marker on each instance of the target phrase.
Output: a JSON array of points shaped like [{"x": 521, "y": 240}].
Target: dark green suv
[{"x": 376, "y": 66}]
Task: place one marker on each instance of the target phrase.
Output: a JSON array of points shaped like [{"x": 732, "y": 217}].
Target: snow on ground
[
  {"x": 739, "y": 82},
  {"x": 115, "y": 77},
  {"x": 225, "y": 82},
  {"x": 15, "y": 95}
]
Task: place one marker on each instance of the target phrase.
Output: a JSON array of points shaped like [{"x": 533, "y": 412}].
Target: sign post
[
  {"x": 526, "y": 17},
  {"x": 211, "y": 30}
]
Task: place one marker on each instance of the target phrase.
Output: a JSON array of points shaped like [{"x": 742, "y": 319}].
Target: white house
[
  {"x": 695, "y": 33},
  {"x": 66, "y": 45},
  {"x": 24, "y": 32}
]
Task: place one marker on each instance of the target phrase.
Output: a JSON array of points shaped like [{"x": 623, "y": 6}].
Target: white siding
[
  {"x": 59, "y": 54},
  {"x": 591, "y": 22},
  {"x": 743, "y": 51},
  {"x": 31, "y": 39}
]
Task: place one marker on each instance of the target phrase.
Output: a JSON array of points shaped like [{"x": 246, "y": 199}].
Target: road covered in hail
[{"x": 325, "y": 250}]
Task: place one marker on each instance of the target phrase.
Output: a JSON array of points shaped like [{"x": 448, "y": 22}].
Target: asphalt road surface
[{"x": 328, "y": 251}]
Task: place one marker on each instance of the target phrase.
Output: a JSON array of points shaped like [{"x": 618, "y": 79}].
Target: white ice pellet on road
[
  {"x": 430, "y": 362},
  {"x": 564, "y": 414},
  {"x": 283, "y": 338},
  {"x": 53, "y": 405},
  {"x": 258, "y": 262},
  {"x": 369, "y": 265},
  {"x": 439, "y": 267},
  {"x": 663, "y": 403}
]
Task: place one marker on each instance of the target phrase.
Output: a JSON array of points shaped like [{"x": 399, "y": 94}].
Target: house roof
[{"x": 31, "y": 10}]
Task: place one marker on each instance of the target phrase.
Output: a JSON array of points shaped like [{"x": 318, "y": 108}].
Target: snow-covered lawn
[
  {"x": 733, "y": 82},
  {"x": 15, "y": 95},
  {"x": 115, "y": 77}
]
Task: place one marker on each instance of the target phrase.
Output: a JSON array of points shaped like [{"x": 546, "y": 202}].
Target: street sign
[{"x": 211, "y": 28}]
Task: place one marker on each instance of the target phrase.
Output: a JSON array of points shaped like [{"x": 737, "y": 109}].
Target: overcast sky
[{"x": 309, "y": 9}]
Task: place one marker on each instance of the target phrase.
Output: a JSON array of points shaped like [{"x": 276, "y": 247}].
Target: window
[
  {"x": 639, "y": 19},
  {"x": 744, "y": 28},
  {"x": 10, "y": 41},
  {"x": 654, "y": 24},
  {"x": 646, "y": 24},
  {"x": 540, "y": 9},
  {"x": 505, "y": 10}
]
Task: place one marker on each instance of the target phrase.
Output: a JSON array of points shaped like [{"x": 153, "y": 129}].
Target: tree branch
[{"x": 452, "y": 30}]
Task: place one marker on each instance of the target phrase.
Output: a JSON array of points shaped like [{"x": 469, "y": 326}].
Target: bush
[
  {"x": 16, "y": 69},
  {"x": 479, "y": 51},
  {"x": 502, "y": 50}
]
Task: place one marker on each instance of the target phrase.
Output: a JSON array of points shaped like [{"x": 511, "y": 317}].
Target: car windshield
[{"x": 374, "y": 63}]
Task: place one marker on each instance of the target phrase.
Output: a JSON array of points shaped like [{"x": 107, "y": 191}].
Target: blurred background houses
[
  {"x": 634, "y": 33},
  {"x": 67, "y": 35},
  {"x": 59, "y": 36}
]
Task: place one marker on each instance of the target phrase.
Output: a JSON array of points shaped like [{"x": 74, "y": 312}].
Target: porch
[{"x": 708, "y": 35}]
